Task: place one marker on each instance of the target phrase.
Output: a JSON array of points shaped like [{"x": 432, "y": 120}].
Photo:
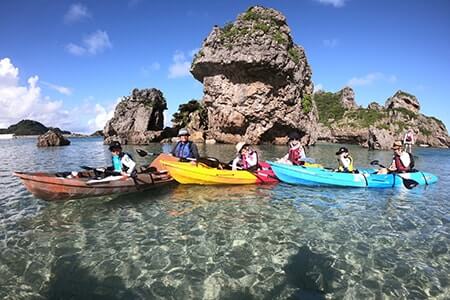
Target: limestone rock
[
  {"x": 138, "y": 119},
  {"x": 347, "y": 97},
  {"x": 52, "y": 138},
  {"x": 404, "y": 100},
  {"x": 257, "y": 82},
  {"x": 374, "y": 106},
  {"x": 379, "y": 139}
]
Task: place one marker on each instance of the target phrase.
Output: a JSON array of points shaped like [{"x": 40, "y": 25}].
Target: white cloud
[
  {"x": 335, "y": 3},
  {"x": 102, "y": 115},
  {"x": 180, "y": 66},
  {"x": 371, "y": 78},
  {"x": 149, "y": 69},
  {"x": 60, "y": 89},
  {"x": 77, "y": 12},
  {"x": 330, "y": 43},
  {"x": 26, "y": 102},
  {"x": 318, "y": 87},
  {"x": 92, "y": 44}
]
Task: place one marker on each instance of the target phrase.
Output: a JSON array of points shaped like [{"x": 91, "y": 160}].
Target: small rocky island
[
  {"x": 258, "y": 88},
  {"x": 30, "y": 127}
]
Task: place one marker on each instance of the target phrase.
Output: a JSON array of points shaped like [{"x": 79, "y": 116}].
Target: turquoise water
[{"x": 238, "y": 242}]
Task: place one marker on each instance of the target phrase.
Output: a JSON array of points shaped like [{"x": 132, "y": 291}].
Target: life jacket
[
  {"x": 295, "y": 154},
  {"x": 408, "y": 137},
  {"x": 350, "y": 166},
  {"x": 117, "y": 162},
  {"x": 184, "y": 150},
  {"x": 400, "y": 166},
  {"x": 245, "y": 164}
]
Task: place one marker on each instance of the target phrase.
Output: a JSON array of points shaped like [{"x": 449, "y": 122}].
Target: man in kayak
[
  {"x": 184, "y": 148},
  {"x": 296, "y": 153},
  {"x": 122, "y": 162},
  {"x": 247, "y": 158},
  {"x": 345, "y": 161},
  {"x": 401, "y": 161}
]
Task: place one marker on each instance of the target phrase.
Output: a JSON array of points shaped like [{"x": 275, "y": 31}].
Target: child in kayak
[
  {"x": 122, "y": 162},
  {"x": 296, "y": 154},
  {"x": 247, "y": 158},
  {"x": 345, "y": 161}
]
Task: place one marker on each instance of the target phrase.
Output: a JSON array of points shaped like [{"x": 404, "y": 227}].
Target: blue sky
[{"x": 66, "y": 63}]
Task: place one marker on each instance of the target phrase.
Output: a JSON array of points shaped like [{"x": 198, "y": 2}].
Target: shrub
[
  {"x": 307, "y": 104},
  {"x": 329, "y": 106},
  {"x": 294, "y": 54},
  {"x": 365, "y": 117}
]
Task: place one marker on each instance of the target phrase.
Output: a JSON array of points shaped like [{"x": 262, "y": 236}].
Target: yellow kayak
[{"x": 190, "y": 173}]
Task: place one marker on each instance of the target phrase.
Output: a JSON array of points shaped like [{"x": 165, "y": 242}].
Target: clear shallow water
[{"x": 238, "y": 242}]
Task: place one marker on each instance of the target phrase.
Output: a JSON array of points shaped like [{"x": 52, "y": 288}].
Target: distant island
[{"x": 30, "y": 127}]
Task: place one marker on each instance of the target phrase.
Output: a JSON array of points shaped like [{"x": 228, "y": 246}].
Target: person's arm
[
  {"x": 392, "y": 166},
  {"x": 129, "y": 163},
  {"x": 302, "y": 153},
  {"x": 174, "y": 149},
  {"x": 194, "y": 150},
  {"x": 235, "y": 162}
]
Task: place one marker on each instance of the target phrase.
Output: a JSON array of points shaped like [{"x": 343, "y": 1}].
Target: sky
[{"x": 68, "y": 63}]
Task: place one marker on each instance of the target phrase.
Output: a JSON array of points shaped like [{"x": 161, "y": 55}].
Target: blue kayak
[{"x": 365, "y": 178}]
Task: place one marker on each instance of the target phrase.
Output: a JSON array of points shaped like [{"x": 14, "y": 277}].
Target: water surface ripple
[{"x": 237, "y": 242}]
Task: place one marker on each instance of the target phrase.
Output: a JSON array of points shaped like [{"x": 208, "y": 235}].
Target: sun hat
[
  {"x": 342, "y": 150},
  {"x": 239, "y": 146},
  {"x": 183, "y": 131},
  {"x": 115, "y": 145},
  {"x": 397, "y": 145}
]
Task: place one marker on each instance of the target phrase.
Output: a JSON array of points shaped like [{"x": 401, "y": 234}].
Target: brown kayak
[{"x": 61, "y": 186}]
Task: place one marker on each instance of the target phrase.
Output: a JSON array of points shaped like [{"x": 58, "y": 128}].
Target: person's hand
[{"x": 124, "y": 173}]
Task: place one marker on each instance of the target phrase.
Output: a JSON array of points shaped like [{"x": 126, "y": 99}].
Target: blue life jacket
[
  {"x": 117, "y": 162},
  {"x": 183, "y": 150}
]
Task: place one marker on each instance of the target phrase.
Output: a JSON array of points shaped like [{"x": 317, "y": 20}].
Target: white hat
[{"x": 239, "y": 146}]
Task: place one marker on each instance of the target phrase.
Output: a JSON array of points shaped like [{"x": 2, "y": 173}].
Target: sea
[{"x": 223, "y": 242}]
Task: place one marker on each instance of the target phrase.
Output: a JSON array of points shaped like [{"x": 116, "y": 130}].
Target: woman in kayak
[
  {"x": 345, "y": 161},
  {"x": 401, "y": 161},
  {"x": 296, "y": 154},
  {"x": 122, "y": 162},
  {"x": 184, "y": 148},
  {"x": 247, "y": 158}
]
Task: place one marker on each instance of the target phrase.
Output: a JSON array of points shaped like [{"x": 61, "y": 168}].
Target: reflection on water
[{"x": 225, "y": 242}]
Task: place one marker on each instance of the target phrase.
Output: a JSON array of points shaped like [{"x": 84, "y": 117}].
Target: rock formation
[
  {"x": 347, "y": 98},
  {"x": 257, "y": 82},
  {"x": 31, "y": 127},
  {"x": 138, "y": 119},
  {"x": 194, "y": 117},
  {"x": 403, "y": 100},
  {"x": 377, "y": 127},
  {"x": 52, "y": 138}
]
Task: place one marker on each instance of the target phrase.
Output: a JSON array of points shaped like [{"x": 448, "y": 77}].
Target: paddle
[
  {"x": 408, "y": 183},
  {"x": 209, "y": 161}
]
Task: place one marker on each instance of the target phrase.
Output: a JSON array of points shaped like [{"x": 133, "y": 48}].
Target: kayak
[
  {"x": 65, "y": 185},
  {"x": 199, "y": 173},
  {"x": 365, "y": 178}
]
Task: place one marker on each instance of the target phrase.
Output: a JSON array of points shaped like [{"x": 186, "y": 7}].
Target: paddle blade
[
  {"x": 374, "y": 162},
  {"x": 87, "y": 168},
  {"x": 141, "y": 152},
  {"x": 409, "y": 183}
]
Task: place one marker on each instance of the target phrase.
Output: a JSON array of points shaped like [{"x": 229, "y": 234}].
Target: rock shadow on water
[
  {"x": 69, "y": 281},
  {"x": 311, "y": 274}
]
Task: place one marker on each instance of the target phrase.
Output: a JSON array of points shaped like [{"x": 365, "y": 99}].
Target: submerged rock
[
  {"x": 138, "y": 119},
  {"x": 52, "y": 138},
  {"x": 257, "y": 82}
]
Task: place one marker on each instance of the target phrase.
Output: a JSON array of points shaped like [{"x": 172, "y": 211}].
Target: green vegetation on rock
[
  {"x": 182, "y": 116},
  {"x": 294, "y": 54},
  {"x": 307, "y": 104},
  {"x": 365, "y": 117},
  {"x": 407, "y": 112},
  {"x": 329, "y": 106},
  {"x": 425, "y": 131}
]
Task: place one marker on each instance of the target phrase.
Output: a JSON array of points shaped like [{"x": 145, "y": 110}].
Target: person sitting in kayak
[
  {"x": 401, "y": 161},
  {"x": 185, "y": 148},
  {"x": 345, "y": 161},
  {"x": 122, "y": 162},
  {"x": 247, "y": 158},
  {"x": 296, "y": 152}
]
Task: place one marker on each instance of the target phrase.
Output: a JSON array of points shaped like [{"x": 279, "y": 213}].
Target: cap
[
  {"x": 342, "y": 150},
  {"x": 397, "y": 145},
  {"x": 183, "y": 131},
  {"x": 114, "y": 146},
  {"x": 239, "y": 146},
  {"x": 294, "y": 136}
]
